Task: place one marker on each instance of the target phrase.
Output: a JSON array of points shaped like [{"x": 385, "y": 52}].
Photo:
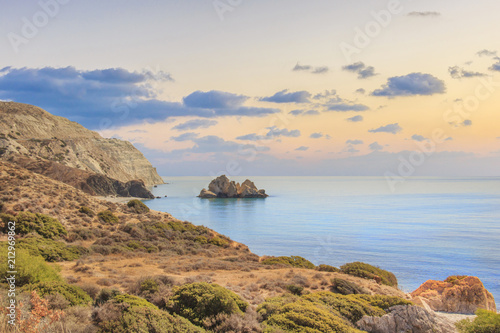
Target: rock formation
[
  {"x": 222, "y": 187},
  {"x": 407, "y": 318},
  {"x": 88, "y": 182},
  {"x": 457, "y": 294},
  {"x": 32, "y": 132}
]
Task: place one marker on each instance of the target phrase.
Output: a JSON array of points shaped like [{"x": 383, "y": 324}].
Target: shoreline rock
[
  {"x": 456, "y": 294},
  {"x": 222, "y": 187}
]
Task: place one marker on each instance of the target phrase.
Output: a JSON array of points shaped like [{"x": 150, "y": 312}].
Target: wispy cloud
[
  {"x": 354, "y": 142},
  {"x": 458, "y": 73},
  {"x": 195, "y": 124},
  {"x": 355, "y": 119},
  {"x": 487, "y": 53},
  {"x": 391, "y": 128},
  {"x": 302, "y": 148},
  {"x": 419, "y": 138},
  {"x": 375, "y": 146},
  {"x": 288, "y": 97},
  {"x": 424, "y": 14},
  {"x": 273, "y": 132},
  {"x": 361, "y": 69}
]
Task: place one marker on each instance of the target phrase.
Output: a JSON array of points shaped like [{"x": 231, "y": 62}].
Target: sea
[{"x": 421, "y": 228}]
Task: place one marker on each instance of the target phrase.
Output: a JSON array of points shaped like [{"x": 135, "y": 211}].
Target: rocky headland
[
  {"x": 222, "y": 187},
  {"x": 68, "y": 152}
]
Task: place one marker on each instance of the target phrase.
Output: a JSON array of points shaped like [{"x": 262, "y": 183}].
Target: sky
[{"x": 393, "y": 88}]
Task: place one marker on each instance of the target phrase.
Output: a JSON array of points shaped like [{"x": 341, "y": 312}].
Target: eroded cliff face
[{"x": 30, "y": 131}]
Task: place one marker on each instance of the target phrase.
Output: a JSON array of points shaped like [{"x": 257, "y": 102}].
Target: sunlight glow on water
[{"x": 430, "y": 228}]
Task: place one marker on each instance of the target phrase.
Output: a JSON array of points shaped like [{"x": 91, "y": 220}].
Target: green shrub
[
  {"x": 485, "y": 322},
  {"x": 106, "y": 295},
  {"x": 295, "y": 290},
  {"x": 349, "y": 307},
  {"x": 133, "y": 301},
  {"x": 381, "y": 301},
  {"x": 30, "y": 269},
  {"x": 217, "y": 241},
  {"x": 44, "y": 225},
  {"x": 107, "y": 217},
  {"x": 73, "y": 294},
  {"x": 149, "y": 286},
  {"x": 322, "y": 311},
  {"x": 294, "y": 261},
  {"x": 304, "y": 316},
  {"x": 200, "y": 301},
  {"x": 87, "y": 211},
  {"x": 327, "y": 268},
  {"x": 138, "y": 206},
  {"x": 51, "y": 250},
  {"x": 345, "y": 287},
  {"x": 367, "y": 271},
  {"x": 122, "y": 318}
]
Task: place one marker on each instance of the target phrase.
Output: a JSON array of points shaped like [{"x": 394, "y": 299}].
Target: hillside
[{"x": 32, "y": 132}]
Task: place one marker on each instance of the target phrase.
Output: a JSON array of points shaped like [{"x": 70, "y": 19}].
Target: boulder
[
  {"x": 456, "y": 294},
  {"x": 222, "y": 187},
  {"x": 407, "y": 318},
  {"x": 207, "y": 194},
  {"x": 219, "y": 185}
]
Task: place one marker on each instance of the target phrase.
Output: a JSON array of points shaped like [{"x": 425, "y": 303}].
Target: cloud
[
  {"x": 467, "y": 122},
  {"x": 355, "y": 119},
  {"x": 495, "y": 66},
  {"x": 273, "y": 132},
  {"x": 448, "y": 139},
  {"x": 458, "y": 73},
  {"x": 487, "y": 53},
  {"x": 320, "y": 70},
  {"x": 351, "y": 149},
  {"x": 344, "y": 107},
  {"x": 100, "y": 99},
  {"x": 411, "y": 85},
  {"x": 391, "y": 128},
  {"x": 214, "y": 100},
  {"x": 316, "y": 136},
  {"x": 189, "y": 136},
  {"x": 375, "y": 146},
  {"x": 325, "y": 94},
  {"x": 302, "y": 148},
  {"x": 354, "y": 142},
  {"x": 306, "y": 68},
  {"x": 360, "y": 91},
  {"x": 418, "y": 138},
  {"x": 361, "y": 69},
  {"x": 424, "y": 14},
  {"x": 311, "y": 113},
  {"x": 299, "y": 67},
  {"x": 288, "y": 97},
  {"x": 304, "y": 113},
  {"x": 195, "y": 124}
]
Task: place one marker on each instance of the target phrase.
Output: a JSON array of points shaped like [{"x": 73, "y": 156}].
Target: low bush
[
  {"x": 304, "y": 316},
  {"x": 126, "y": 313},
  {"x": 293, "y": 261},
  {"x": 87, "y": 211},
  {"x": 202, "y": 301},
  {"x": 367, "y": 271},
  {"x": 44, "y": 225},
  {"x": 138, "y": 206},
  {"x": 73, "y": 294},
  {"x": 30, "y": 268},
  {"x": 345, "y": 287},
  {"x": 327, "y": 268},
  {"x": 295, "y": 290},
  {"x": 51, "y": 250},
  {"x": 107, "y": 217},
  {"x": 485, "y": 322}
]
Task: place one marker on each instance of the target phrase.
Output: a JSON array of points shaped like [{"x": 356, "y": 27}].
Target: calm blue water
[{"x": 430, "y": 228}]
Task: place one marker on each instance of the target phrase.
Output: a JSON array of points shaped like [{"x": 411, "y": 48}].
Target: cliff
[{"x": 32, "y": 132}]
